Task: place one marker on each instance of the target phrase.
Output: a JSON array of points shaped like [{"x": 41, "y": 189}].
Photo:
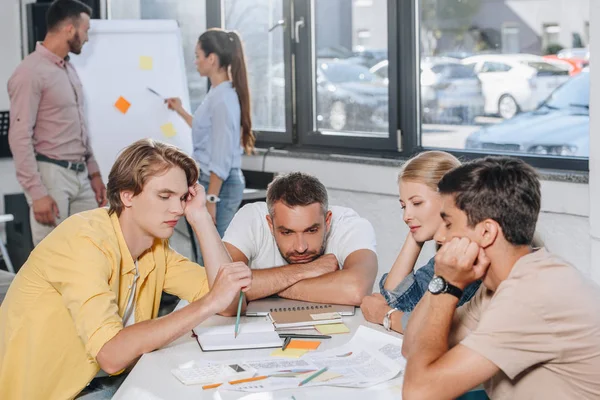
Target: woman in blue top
[
  {"x": 221, "y": 126},
  {"x": 403, "y": 287}
]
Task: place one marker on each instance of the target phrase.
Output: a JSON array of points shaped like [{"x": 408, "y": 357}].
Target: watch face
[{"x": 437, "y": 285}]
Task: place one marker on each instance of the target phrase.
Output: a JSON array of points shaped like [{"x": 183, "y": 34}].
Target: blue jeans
[
  {"x": 232, "y": 191},
  {"x": 407, "y": 294}
]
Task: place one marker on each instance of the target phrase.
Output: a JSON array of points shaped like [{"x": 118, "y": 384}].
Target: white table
[{"x": 151, "y": 378}]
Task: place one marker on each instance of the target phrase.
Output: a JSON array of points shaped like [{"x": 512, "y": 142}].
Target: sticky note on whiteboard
[
  {"x": 122, "y": 105},
  {"x": 168, "y": 130},
  {"x": 146, "y": 63}
]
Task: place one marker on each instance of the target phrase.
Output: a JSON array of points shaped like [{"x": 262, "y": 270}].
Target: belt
[{"x": 74, "y": 166}]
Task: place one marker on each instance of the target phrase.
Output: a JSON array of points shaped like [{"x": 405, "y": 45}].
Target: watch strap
[{"x": 453, "y": 290}]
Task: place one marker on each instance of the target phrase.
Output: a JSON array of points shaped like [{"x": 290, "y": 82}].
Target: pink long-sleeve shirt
[{"x": 46, "y": 117}]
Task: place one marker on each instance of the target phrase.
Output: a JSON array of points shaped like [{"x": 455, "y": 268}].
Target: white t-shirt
[{"x": 250, "y": 233}]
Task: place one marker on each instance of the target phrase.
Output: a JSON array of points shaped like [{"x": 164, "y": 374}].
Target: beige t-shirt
[{"x": 541, "y": 328}]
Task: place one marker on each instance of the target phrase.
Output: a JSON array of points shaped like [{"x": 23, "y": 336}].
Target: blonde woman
[{"x": 403, "y": 287}]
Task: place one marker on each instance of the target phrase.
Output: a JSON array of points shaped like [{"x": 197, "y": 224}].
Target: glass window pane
[
  {"x": 191, "y": 16},
  {"x": 350, "y": 94},
  {"x": 259, "y": 24},
  {"x": 529, "y": 87}
]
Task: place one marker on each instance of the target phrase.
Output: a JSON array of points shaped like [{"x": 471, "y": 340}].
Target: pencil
[
  {"x": 313, "y": 376},
  {"x": 286, "y": 342},
  {"x": 256, "y": 378},
  {"x": 239, "y": 311},
  {"x": 214, "y": 385}
]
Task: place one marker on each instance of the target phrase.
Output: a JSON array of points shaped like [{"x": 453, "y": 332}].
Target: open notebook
[{"x": 255, "y": 335}]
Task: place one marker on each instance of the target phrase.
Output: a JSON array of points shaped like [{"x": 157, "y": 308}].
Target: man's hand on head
[
  {"x": 461, "y": 262},
  {"x": 196, "y": 202}
]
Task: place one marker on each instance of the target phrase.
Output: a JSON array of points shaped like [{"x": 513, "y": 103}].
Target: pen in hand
[{"x": 239, "y": 311}]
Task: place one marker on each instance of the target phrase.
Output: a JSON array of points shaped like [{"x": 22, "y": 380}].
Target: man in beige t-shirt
[{"x": 533, "y": 329}]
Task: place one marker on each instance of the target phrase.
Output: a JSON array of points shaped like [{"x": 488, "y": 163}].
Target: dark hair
[
  {"x": 230, "y": 52},
  {"x": 297, "y": 189},
  {"x": 61, "y": 10},
  {"x": 141, "y": 161},
  {"x": 504, "y": 189}
]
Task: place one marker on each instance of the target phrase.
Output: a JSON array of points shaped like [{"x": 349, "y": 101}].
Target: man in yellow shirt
[{"x": 88, "y": 296}]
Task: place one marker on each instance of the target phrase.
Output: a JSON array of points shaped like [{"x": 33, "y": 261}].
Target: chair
[{"x": 3, "y": 252}]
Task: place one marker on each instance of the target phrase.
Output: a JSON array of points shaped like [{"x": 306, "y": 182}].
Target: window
[
  {"x": 396, "y": 77},
  {"x": 518, "y": 100},
  {"x": 510, "y": 39},
  {"x": 349, "y": 99},
  {"x": 260, "y": 25},
  {"x": 551, "y": 36},
  {"x": 191, "y": 16}
]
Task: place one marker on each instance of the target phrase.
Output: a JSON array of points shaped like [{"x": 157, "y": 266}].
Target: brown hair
[
  {"x": 297, "y": 189},
  {"x": 139, "y": 162},
  {"x": 228, "y": 47},
  {"x": 428, "y": 168},
  {"x": 504, "y": 189}
]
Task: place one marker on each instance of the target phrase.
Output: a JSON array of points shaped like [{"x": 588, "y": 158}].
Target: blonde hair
[
  {"x": 428, "y": 168},
  {"x": 139, "y": 162}
]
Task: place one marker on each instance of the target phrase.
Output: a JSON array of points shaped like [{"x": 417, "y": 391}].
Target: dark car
[
  {"x": 450, "y": 91},
  {"x": 560, "y": 126},
  {"x": 350, "y": 98}
]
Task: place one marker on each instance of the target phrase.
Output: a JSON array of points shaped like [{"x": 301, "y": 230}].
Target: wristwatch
[
  {"x": 387, "y": 320},
  {"x": 439, "y": 285},
  {"x": 212, "y": 198}
]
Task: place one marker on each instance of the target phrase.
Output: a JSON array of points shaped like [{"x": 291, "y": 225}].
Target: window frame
[{"x": 404, "y": 133}]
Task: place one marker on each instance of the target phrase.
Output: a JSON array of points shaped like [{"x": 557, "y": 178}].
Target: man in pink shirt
[{"x": 48, "y": 134}]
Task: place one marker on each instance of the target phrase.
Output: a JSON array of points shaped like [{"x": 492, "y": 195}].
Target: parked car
[
  {"x": 515, "y": 83},
  {"x": 560, "y": 126},
  {"x": 582, "y": 53},
  {"x": 573, "y": 66},
  {"x": 349, "y": 97},
  {"x": 450, "y": 91}
]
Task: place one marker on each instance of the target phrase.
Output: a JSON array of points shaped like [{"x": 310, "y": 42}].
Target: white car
[{"x": 515, "y": 83}]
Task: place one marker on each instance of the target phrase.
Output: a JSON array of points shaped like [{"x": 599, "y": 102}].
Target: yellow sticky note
[
  {"x": 303, "y": 345},
  {"x": 332, "y": 328},
  {"x": 289, "y": 353},
  {"x": 168, "y": 130},
  {"x": 122, "y": 104},
  {"x": 145, "y": 63}
]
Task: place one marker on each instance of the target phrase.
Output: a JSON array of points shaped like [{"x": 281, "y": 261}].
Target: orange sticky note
[
  {"x": 145, "y": 63},
  {"x": 122, "y": 104},
  {"x": 303, "y": 345},
  {"x": 168, "y": 130}
]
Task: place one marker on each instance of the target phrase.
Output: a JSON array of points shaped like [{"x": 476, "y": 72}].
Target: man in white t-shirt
[{"x": 300, "y": 248}]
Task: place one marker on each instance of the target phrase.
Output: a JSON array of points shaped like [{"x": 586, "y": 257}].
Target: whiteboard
[{"x": 110, "y": 66}]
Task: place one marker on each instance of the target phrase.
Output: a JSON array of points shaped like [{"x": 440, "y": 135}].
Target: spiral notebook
[
  {"x": 263, "y": 307},
  {"x": 303, "y": 318}
]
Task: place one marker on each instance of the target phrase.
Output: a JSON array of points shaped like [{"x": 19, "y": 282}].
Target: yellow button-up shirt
[{"x": 68, "y": 300}]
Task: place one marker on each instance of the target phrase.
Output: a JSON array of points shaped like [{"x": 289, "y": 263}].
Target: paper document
[
  {"x": 368, "y": 359},
  {"x": 256, "y": 335}
]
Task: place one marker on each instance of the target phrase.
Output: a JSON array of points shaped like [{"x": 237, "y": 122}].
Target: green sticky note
[{"x": 332, "y": 329}]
